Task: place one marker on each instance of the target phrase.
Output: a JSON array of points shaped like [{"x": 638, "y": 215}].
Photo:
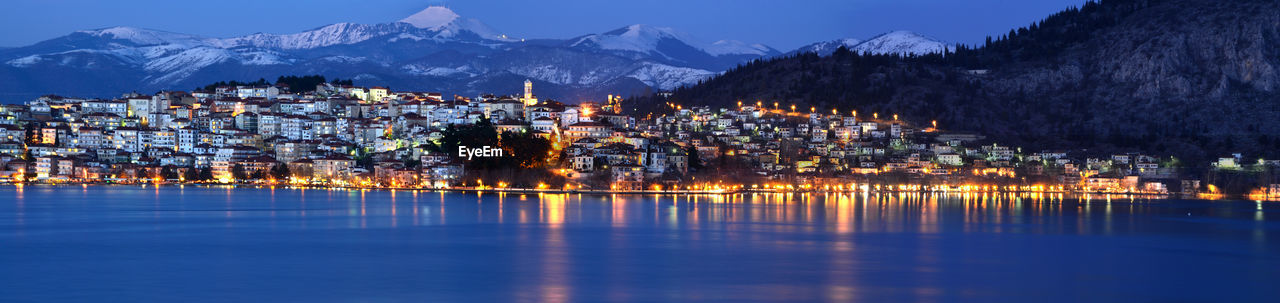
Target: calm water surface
[{"x": 214, "y": 244}]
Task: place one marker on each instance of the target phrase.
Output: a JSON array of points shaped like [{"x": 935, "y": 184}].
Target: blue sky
[{"x": 781, "y": 24}]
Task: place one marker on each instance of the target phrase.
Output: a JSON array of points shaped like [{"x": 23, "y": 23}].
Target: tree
[
  {"x": 410, "y": 162},
  {"x": 280, "y": 171},
  {"x": 206, "y": 174},
  {"x": 168, "y": 173},
  {"x": 190, "y": 174},
  {"x": 258, "y": 175},
  {"x": 362, "y": 157},
  {"x": 301, "y": 84},
  {"x": 32, "y": 133},
  {"x": 238, "y": 173},
  {"x": 695, "y": 161}
]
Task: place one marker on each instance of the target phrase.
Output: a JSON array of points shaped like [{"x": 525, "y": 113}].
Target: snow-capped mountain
[
  {"x": 671, "y": 46},
  {"x": 434, "y": 49},
  {"x": 902, "y": 43},
  {"x": 896, "y": 42},
  {"x": 448, "y": 24},
  {"x": 825, "y": 48},
  {"x": 651, "y": 40}
]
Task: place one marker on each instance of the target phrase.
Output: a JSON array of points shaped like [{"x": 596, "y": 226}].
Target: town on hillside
[{"x": 344, "y": 135}]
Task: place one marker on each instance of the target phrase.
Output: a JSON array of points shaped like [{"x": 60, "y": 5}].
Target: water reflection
[{"x": 863, "y": 246}]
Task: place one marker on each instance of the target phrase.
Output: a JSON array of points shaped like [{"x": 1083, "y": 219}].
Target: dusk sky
[{"x": 784, "y": 25}]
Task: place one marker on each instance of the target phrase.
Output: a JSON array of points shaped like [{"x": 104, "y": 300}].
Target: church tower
[
  {"x": 528, "y": 89},
  {"x": 528, "y": 98}
]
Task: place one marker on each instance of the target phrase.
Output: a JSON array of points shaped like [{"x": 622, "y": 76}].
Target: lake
[{"x": 217, "y": 244}]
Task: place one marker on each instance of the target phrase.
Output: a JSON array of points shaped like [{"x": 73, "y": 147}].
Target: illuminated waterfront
[{"x": 193, "y": 243}]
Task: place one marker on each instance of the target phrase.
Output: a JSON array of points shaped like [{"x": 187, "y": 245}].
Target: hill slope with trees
[{"x": 1195, "y": 79}]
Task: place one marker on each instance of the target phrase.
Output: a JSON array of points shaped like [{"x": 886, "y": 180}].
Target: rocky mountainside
[{"x": 1192, "y": 78}]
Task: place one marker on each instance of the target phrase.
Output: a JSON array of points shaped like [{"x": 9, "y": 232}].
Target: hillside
[{"x": 1190, "y": 78}]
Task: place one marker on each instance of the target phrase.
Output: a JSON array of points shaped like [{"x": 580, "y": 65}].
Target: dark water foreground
[{"x": 190, "y": 244}]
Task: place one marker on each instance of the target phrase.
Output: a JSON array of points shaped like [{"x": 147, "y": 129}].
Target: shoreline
[{"x": 722, "y": 192}]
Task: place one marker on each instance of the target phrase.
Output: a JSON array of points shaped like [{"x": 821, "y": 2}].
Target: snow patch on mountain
[
  {"x": 668, "y": 77},
  {"x": 902, "y": 43},
  {"x": 25, "y": 61},
  {"x": 329, "y": 35},
  {"x": 419, "y": 70},
  {"x": 896, "y": 42},
  {"x": 344, "y": 59},
  {"x": 545, "y": 72},
  {"x": 432, "y": 17},
  {"x": 735, "y": 47},
  {"x": 262, "y": 57},
  {"x": 406, "y": 36},
  {"x": 644, "y": 39},
  {"x": 448, "y": 24},
  {"x": 827, "y": 47},
  {"x": 141, "y": 36},
  {"x": 177, "y": 67},
  {"x": 637, "y": 38}
]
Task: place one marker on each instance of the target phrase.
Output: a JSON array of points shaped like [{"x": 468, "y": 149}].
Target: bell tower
[
  {"x": 528, "y": 98},
  {"x": 528, "y": 89}
]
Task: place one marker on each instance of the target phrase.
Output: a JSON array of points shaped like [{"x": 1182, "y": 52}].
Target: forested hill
[{"x": 1190, "y": 78}]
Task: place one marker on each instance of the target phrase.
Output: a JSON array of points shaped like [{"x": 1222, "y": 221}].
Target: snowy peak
[
  {"x": 638, "y": 38},
  {"x": 896, "y": 42},
  {"x": 432, "y": 17},
  {"x": 825, "y": 48},
  {"x": 902, "y": 43},
  {"x": 449, "y": 24},
  {"x": 647, "y": 39}
]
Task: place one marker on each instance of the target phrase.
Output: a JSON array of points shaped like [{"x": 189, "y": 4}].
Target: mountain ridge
[
  {"x": 396, "y": 52},
  {"x": 407, "y": 53},
  {"x": 901, "y": 42}
]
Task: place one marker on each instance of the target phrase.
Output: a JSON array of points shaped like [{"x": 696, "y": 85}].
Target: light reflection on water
[{"x": 127, "y": 243}]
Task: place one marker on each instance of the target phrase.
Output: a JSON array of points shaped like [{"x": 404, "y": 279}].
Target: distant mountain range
[{"x": 434, "y": 49}]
